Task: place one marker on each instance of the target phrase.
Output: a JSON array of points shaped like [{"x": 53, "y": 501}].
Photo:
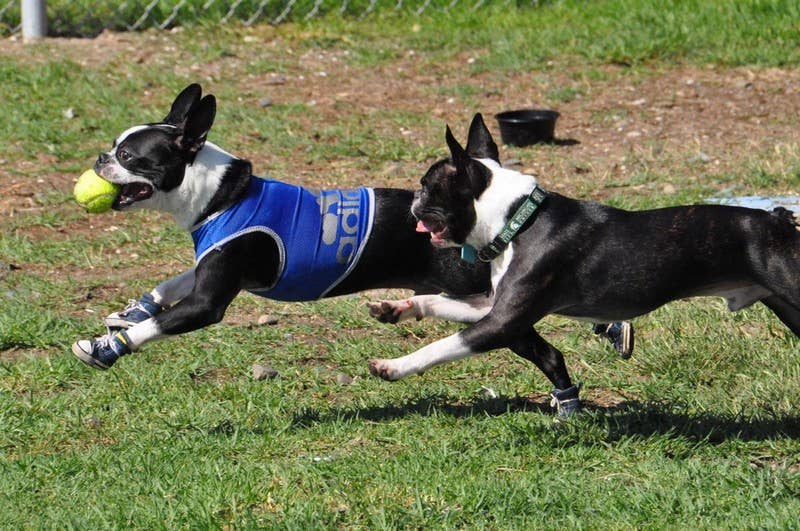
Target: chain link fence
[{"x": 89, "y": 18}]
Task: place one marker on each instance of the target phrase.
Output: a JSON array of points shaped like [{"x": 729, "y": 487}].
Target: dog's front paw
[
  {"x": 566, "y": 401},
  {"x": 383, "y": 369},
  {"x": 394, "y": 311}
]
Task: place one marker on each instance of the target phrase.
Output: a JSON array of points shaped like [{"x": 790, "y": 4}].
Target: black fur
[
  {"x": 154, "y": 153},
  {"x": 395, "y": 257},
  {"x": 450, "y": 186},
  {"x": 589, "y": 261}
]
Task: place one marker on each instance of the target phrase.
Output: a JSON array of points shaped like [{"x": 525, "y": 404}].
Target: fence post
[{"x": 34, "y": 19}]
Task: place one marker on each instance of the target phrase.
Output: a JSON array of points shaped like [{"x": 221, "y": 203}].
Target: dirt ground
[{"x": 613, "y": 121}]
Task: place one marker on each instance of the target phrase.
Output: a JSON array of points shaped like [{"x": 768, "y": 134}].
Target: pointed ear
[
  {"x": 188, "y": 98},
  {"x": 457, "y": 153},
  {"x": 471, "y": 176},
  {"x": 480, "y": 144},
  {"x": 198, "y": 124}
]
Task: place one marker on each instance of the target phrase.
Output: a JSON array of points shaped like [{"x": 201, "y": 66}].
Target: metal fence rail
[{"x": 90, "y": 17}]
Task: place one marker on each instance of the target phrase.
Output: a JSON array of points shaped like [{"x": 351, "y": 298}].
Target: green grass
[
  {"x": 698, "y": 430},
  {"x": 180, "y": 435},
  {"x": 722, "y": 32}
]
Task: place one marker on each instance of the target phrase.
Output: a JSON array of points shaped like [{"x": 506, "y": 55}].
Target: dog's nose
[{"x": 102, "y": 160}]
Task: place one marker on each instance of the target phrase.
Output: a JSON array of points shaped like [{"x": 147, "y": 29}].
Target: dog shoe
[
  {"x": 103, "y": 352},
  {"x": 619, "y": 334},
  {"x": 566, "y": 401},
  {"x": 135, "y": 312}
]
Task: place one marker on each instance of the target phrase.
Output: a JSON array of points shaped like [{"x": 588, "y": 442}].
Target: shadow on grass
[
  {"x": 428, "y": 406},
  {"x": 565, "y": 142},
  {"x": 621, "y": 420},
  {"x": 649, "y": 419}
]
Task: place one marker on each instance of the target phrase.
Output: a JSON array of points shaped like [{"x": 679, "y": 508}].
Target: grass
[
  {"x": 181, "y": 435},
  {"x": 698, "y": 430}
]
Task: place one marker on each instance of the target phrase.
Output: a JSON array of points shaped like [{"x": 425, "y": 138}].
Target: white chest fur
[
  {"x": 500, "y": 266},
  {"x": 200, "y": 182},
  {"x": 491, "y": 208}
]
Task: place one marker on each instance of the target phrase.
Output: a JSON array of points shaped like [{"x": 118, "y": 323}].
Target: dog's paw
[
  {"x": 394, "y": 311},
  {"x": 383, "y": 369}
]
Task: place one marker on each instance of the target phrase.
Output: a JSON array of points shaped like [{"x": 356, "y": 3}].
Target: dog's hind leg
[
  {"x": 779, "y": 272},
  {"x": 463, "y": 310},
  {"x": 788, "y": 314}
]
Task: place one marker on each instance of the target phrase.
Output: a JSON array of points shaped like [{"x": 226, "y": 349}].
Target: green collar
[{"x": 512, "y": 227}]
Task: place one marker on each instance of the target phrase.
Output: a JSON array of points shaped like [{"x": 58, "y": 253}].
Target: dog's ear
[
  {"x": 470, "y": 174},
  {"x": 183, "y": 104},
  {"x": 198, "y": 124},
  {"x": 460, "y": 159},
  {"x": 480, "y": 144},
  {"x": 457, "y": 153}
]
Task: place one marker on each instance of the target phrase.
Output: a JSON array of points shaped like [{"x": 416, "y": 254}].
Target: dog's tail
[{"x": 787, "y": 215}]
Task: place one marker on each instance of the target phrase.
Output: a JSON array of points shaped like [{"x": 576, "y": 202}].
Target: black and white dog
[
  {"x": 364, "y": 239},
  {"x": 271, "y": 238},
  {"x": 582, "y": 260}
]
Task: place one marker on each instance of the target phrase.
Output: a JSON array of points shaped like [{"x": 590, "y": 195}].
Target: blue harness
[{"x": 320, "y": 234}]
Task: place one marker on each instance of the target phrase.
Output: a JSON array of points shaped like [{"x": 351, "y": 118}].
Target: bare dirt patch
[{"x": 16, "y": 354}]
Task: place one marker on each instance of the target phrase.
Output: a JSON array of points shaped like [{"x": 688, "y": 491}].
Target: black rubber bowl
[{"x": 527, "y": 126}]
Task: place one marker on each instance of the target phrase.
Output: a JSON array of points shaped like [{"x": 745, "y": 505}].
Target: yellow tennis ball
[{"x": 94, "y": 193}]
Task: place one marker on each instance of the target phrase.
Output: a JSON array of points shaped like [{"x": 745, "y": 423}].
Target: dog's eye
[{"x": 124, "y": 154}]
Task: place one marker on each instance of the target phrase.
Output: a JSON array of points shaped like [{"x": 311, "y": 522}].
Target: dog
[
  {"x": 270, "y": 238},
  {"x": 343, "y": 241},
  {"x": 551, "y": 254}
]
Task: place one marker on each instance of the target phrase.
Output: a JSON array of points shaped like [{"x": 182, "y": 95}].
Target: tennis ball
[{"x": 94, "y": 193}]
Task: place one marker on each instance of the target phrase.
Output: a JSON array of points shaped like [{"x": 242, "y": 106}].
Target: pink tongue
[{"x": 421, "y": 227}]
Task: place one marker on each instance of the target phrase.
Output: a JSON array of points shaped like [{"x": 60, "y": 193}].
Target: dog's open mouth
[
  {"x": 131, "y": 193},
  {"x": 438, "y": 231}
]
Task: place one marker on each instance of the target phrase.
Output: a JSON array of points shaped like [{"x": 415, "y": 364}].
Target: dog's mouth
[
  {"x": 438, "y": 231},
  {"x": 131, "y": 193}
]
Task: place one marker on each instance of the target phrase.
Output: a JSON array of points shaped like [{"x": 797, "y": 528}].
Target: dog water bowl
[{"x": 527, "y": 126}]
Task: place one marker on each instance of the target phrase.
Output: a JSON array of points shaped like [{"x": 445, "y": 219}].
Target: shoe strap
[
  {"x": 120, "y": 343},
  {"x": 149, "y": 305}
]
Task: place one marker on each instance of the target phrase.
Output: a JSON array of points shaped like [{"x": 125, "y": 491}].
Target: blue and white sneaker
[
  {"x": 619, "y": 334},
  {"x": 103, "y": 352},
  {"x": 135, "y": 312},
  {"x": 566, "y": 401}
]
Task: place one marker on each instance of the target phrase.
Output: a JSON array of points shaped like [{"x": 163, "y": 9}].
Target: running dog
[
  {"x": 270, "y": 238},
  {"x": 552, "y": 254}
]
